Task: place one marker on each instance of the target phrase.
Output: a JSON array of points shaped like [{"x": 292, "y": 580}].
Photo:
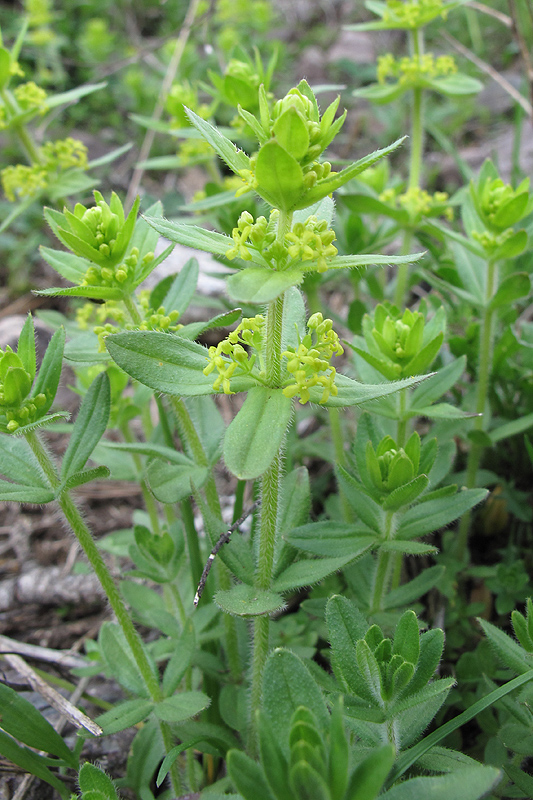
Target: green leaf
[
  {"x": 291, "y": 133},
  {"x": 31, "y": 762},
  {"x": 19, "y": 464},
  {"x": 247, "y": 601},
  {"x": 279, "y": 177},
  {"x": 93, "y": 779},
  {"x": 254, "y": 436},
  {"x": 512, "y": 288},
  {"x": 248, "y": 777},
  {"x": 353, "y": 393},
  {"x": 512, "y": 247},
  {"x": 273, "y": 760},
  {"x": 73, "y": 95},
  {"x": 468, "y": 783},
  {"x": 260, "y": 285},
  {"x": 346, "y": 625},
  {"x": 124, "y": 715},
  {"x": 89, "y": 427},
  {"x": 235, "y": 159},
  {"x": 406, "y": 494},
  {"x": 406, "y": 638},
  {"x": 415, "y": 589},
  {"x": 366, "y": 509},
  {"x": 181, "y": 706},
  {"x": 26, "y": 347},
  {"x": 287, "y": 685},
  {"x": 164, "y": 362},
  {"x": 68, "y": 265},
  {"x": 439, "y": 383},
  {"x": 119, "y": 659},
  {"x": 508, "y": 651},
  {"x": 370, "y": 775},
  {"x": 308, "y": 572},
  {"x": 429, "y": 517},
  {"x": 181, "y": 291},
  {"x": 455, "y": 85},
  {"x": 307, "y": 783},
  {"x": 49, "y": 373},
  {"x": 171, "y": 483},
  {"x": 364, "y": 260},
  {"x": 19, "y": 493},
  {"x": 86, "y": 476},
  {"x": 22, "y": 720},
  {"x": 192, "y": 236},
  {"x": 381, "y": 93},
  {"x": 332, "y": 539},
  {"x": 336, "y": 180},
  {"x": 511, "y": 428},
  {"x": 180, "y": 661},
  {"x": 408, "y": 548}
]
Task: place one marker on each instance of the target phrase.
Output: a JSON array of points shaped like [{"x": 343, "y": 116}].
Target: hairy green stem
[
  {"x": 383, "y": 570},
  {"x": 416, "y": 39},
  {"x": 84, "y": 536},
  {"x": 486, "y": 347},
  {"x": 149, "y": 500},
  {"x": 270, "y": 495},
  {"x": 340, "y": 457}
]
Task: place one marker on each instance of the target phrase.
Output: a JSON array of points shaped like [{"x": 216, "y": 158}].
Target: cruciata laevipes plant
[
  {"x": 391, "y": 482},
  {"x": 286, "y": 357}
]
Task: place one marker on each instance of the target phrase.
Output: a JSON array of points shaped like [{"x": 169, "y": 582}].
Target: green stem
[
  {"x": 239, "y": 500},
  {"x": 132, "y": 309},
  {"x": 82, "y": 533},
  {"x": 403, "y": 419},
  {"x": 193, "y": 546},
  {"x": 417, "y": 116},
  {"x": 148, "y": 497},
  {"x": 486, "y": 347},
  {"x": 270, "y": 495},
  {"x": 416, "y": 39},
  {"x": 270, "y": 490},
  {"x": 192, "y": 444},
  {"x": 340, "y": 458},
  {"x": 383, "y": 568}
]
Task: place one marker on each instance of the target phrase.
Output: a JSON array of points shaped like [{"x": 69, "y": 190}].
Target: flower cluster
[
  {"x": 312, "y": 240},
  {"x": 419, "y": 203},
  {"x": 112, "y": 318},
  {"x": 399, "y": 345},
  {"x": 309, "y": 363},
  {"x": 292, "y": 136},
  {"x": 501, "y": 205},
  {"x": 102, "y": 235},
  {"x": 230, "y": 356},
  {"x": 30, "y": 96},
  {"x": 410, "y": 71},
  {"x": 180, "y": 95},
  {"x": 412, "y": 14},
  {"x": 15, "y": 386},
  {"x": 390, "y": 466},
  {"x": 20, "y": 181},
  {"x": 260, "y": 233}
]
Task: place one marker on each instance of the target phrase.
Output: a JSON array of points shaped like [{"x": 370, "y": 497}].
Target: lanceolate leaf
[
  {"x": 166, "y": 362},
  {"x": 353, "y": 393},
  {"x": 254, "y": 437},
  {"x": 235, "y": 159},
  {"x": 192, "y": 236},
  {"x": 89, "y": 427}
]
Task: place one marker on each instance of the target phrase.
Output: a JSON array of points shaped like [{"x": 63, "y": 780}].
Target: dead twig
[
  {"x": 224, "y": 539},
  {"x": 491, "y": 72}
]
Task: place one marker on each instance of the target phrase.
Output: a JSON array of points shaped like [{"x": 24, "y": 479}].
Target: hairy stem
[
  {"x": 486, "y": 347},
  {"x": 84, "y": 536}
]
